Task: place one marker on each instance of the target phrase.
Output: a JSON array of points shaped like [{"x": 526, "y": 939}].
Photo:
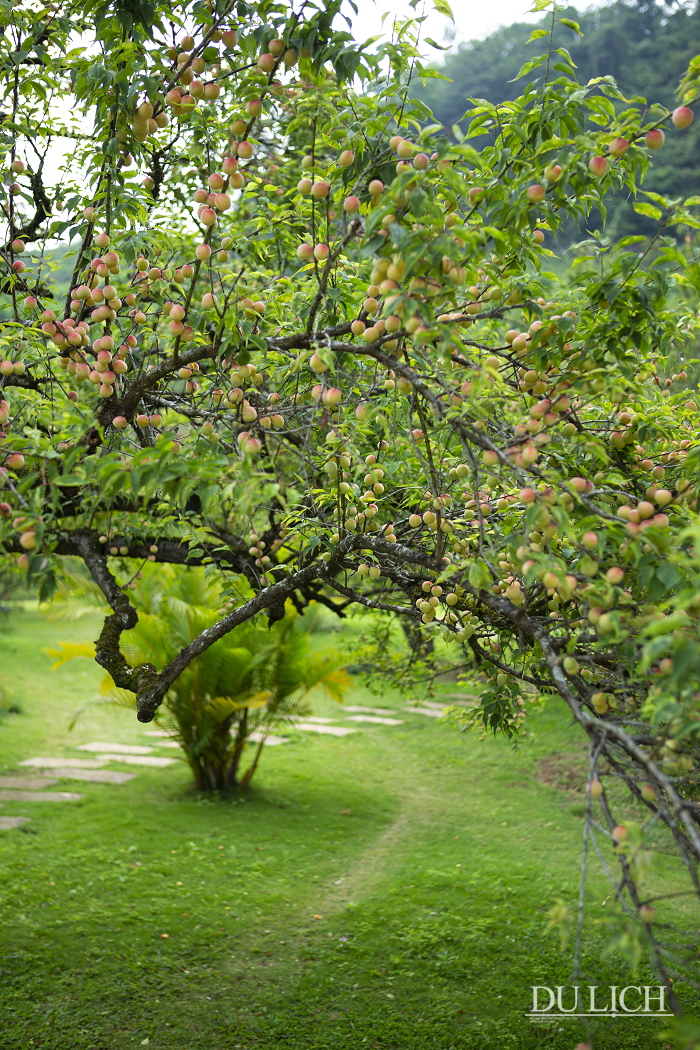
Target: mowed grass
[{"x": 388, "y": 889}]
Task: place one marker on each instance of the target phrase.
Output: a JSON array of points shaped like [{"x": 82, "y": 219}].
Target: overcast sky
[{"x": 473, "y": 20}]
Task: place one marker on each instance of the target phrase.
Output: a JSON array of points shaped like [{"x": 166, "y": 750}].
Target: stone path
[
  {"x": 64, "y": 763},
  {"x": 139, "y": 760},
  {"x": 93, "y": 776},
  {"x": 167, "y": 740},
  {"x": 369, "y": 710},
  {"x": 29, "y": 789},
  {"x": 270, "y": 739},
  {"x": 28, "y": 783},
  {"x": 311, "y": 727},
  {"x": 39, "y": 796},
  {"x": 463, "y": 699},
  {"x": 91, "y": 770},
  {"x": 123, "y": 749},
  {"x": 377, "y": 721},
  {"x": 7, "y": 823}
]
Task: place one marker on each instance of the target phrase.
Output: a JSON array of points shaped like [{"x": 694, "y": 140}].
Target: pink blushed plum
[
  {"x": 618, "y": 147},
  {"x": 266, "y": 62},
  {"x": 682, "y": 117},
  {"x": 535, "y": 193},
  {"x": 597, "y": 167}
]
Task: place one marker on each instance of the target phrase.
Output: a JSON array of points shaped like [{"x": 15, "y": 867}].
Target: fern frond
[
  {"x": 224, "y": 706},
  {"x": 118, "y": 697},
  {"x": 68, "y": 651},
  {"x": 327, "y": 670},
  {"x": 75, "y": 597}
]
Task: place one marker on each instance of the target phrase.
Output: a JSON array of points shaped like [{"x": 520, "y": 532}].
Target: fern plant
[{"x": 252, "y": 681}]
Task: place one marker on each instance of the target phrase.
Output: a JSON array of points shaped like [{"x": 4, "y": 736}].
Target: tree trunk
[{"x": 248, "y": 776}]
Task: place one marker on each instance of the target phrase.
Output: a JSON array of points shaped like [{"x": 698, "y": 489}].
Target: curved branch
[{"x": 123, "y": 618}]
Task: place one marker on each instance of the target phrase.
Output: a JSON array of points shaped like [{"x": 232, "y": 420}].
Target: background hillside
[{"x": 646, "y": 47}]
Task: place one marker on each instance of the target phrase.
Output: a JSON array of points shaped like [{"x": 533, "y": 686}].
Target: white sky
[{"x": 473, "y": 20}]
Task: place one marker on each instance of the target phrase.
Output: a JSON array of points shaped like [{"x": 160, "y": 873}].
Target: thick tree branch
[{"x": 123, "y": 618}]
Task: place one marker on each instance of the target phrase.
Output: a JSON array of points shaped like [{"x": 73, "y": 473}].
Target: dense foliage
[
  {"x": 311, "y": 343},
  {"x": 644, "y": 46}
]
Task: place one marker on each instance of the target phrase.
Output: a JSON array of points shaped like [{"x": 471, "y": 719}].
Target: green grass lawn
[{"x": 388, "y": 889}]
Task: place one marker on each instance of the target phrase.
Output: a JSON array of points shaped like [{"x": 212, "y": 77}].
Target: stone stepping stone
[
  {"x": 271, "y": 740},
  {"x": 122, "y": 749},
  {"x": 369, "y": 710},
  {"x": 464, "y": 699},
  {"x": 139, "y": 760},
  {"x": 7, "y": 823},
  {"x": 28, "y": 783},
  {"x": 320, "y": 721},
  {"x": 312, "y": 727},
  {"x": 376, "y": 721},
  {"x": 429, "y": 711},
  {"x": 93, "y": 776},
  {"x": 64, "y": 763},
  {"x": 167, "y": 739},
  {"x": 39, "y": 796}
]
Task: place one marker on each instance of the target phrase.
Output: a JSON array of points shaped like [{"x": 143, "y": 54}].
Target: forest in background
[{"x": 646, "y": 47}]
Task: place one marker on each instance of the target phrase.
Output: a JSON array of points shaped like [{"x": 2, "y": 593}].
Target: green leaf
[
  {"x": 565, "y": 54},
  {"x": 570, "y": 24},
  {"x": 648, "y": 210},
  {"x": 440, "y": 47},
  {"x": 670, "y": 577},
  {"x": 527, "y": 67},
  {"x": 427, "y": 73},
  {"x": 656, "y": 197},
  {"x": 537, "y": 34},
  {"x": 444, "y": 8},
  {"x": 479, "y": 576},
  {"x": 632, "y": 239}
]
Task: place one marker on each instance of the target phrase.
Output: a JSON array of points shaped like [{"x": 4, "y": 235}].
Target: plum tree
[{"x": 446, "y": 410}]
